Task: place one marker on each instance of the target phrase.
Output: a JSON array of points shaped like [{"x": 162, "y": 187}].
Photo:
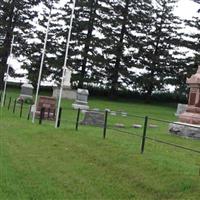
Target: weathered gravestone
[
  {"x": 119, "y": 125},
  {"x": 81, "y": 99},
  {"x": 26, "y": 91},
  {"x": 49, "y": 105},
  {"x": 93, "y": 118},
  {"x": 137, "y": 126}
]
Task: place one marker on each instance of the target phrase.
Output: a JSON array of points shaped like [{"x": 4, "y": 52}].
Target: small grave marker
[
  {"x": 118, "y": 125},
  {"x": 124, "y": 114},
  {"x": 113, "y": 113},
  {"x": 137, "y": 126}
]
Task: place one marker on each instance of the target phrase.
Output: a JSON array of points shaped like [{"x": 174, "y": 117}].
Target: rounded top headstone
[
  {"x": 27, "y": 85},
  {"x": 83, "y": 91}
]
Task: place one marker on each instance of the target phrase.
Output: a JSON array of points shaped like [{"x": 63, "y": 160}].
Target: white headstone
[{"x": 67, "y": 78}]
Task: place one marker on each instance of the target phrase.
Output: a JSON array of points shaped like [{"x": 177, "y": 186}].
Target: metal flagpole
[
  {"x": 7, "y": 73},
  {"x": 65, "y": 63},
  {"x": 42, "y": 63}
]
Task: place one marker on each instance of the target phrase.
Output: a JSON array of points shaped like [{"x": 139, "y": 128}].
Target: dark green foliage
[
  {"x": 115, "y": 45},
  {"x": 16, "y": 17},
  {"x": 158, "y": 42}
]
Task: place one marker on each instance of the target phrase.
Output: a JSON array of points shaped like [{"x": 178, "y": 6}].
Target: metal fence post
[
  {"x": 59, "y": 118},
  {"x": 21, "y": 108},
  {"x": 48, "y": 113},
  {"x": 105, "y": 124},
  {"x": 4, "y": 100},
  {"x": 77, "y": 119},
  {"x": 29, "y": 112},
  {"x": 41, "y": 115},
  {"x": 14, "y": 105},
  {"x": 144, "y": 134},
  {"x": 9, "y": 103}
]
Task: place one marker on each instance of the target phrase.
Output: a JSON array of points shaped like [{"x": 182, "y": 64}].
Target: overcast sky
[{"x": 186, "y": 8}]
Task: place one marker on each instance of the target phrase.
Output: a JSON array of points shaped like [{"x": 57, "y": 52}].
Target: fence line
[{"x": 106, "y": 126}]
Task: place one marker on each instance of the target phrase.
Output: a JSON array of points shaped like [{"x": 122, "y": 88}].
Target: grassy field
[{"x": 41, "y": 162}]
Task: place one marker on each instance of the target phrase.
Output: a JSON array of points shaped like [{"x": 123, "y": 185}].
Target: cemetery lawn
[{"x": 41, "y": 162}]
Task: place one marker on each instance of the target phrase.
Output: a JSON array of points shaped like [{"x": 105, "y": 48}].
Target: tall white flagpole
[
  {"x": 65, "y": 63},
  {"x": 41, "y": 64},
  {"x": 7, "y": 72}
]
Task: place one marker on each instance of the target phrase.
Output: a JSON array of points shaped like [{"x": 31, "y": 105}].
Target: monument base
[
  {"x": 82, "y": 107},
  {"x": 190, "y": 118},
  {"x": 67, "y": 93},
  {"x": 23, "y": 96},
  {"x": 185, "y": 130}
]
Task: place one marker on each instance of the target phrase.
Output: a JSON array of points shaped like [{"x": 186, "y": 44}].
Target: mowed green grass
[{"x": 41, "y": 162}]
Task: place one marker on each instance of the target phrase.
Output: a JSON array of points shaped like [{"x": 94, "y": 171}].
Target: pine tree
[
  {"x": 16, "y": 16},
  {"x": 156, "y": 48},
  {"x": 85, "y": 42},
  {"x": 119, "y": 30},
  {"x": 33, "y": 42}
]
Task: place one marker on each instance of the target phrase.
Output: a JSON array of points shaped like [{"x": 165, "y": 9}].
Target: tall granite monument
[
  {"x": 189, "y": 121},
  {"x": 192, "y": 113}
]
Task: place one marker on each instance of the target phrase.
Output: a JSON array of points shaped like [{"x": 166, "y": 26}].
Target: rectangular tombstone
[
  {"x": 49, "y": 104},
  {"x": 26, "y": 91},
  {"x": 81, "y": 99},
  {"x": 93, "y": 118}
]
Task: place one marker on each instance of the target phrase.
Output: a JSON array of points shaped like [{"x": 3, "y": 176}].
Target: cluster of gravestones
[{"x": 95, "y": 117}]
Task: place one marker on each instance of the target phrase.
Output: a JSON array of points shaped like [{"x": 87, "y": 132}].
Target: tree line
[{"x": 116, "y": 45}]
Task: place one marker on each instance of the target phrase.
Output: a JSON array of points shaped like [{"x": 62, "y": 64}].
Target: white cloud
[{"x": 186, "y": 9}]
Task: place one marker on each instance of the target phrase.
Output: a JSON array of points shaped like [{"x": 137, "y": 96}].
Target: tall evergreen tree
[
  {"x": 33, "y": 42},
  {"x": 156, "y": 49},
  {"x": 16, "y": 15},
  {"x": 120, "y": 41},
  {"x": 85, "y": 41}
]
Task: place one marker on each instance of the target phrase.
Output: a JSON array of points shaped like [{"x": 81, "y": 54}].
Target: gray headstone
[
  {"x": 82, "y": 95},
  {"x": 26, "y": 91},
  {"x": 93, "y": 118},
  {"x": 81, "y": 99}
]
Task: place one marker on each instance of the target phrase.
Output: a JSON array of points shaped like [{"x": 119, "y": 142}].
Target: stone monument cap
[{"x": 194, "y": 79}]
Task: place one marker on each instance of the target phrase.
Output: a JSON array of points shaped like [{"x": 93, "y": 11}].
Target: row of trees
[{"x": 116, "y": 44}]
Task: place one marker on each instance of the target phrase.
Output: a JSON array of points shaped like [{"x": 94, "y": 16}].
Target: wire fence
[{"x": 144, "y": 127}]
